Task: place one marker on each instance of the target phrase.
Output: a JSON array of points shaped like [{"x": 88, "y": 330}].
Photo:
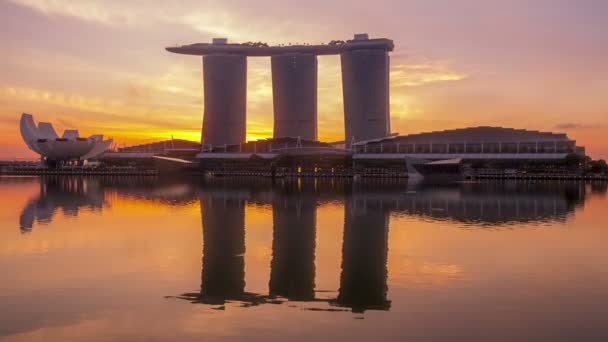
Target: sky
[{"x": 100, "y": 65}]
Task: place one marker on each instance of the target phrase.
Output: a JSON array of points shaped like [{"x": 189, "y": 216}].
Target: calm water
[{"x": 102, "y": 259}]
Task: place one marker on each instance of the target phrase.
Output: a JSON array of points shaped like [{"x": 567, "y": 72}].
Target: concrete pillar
[
  {"x": 365, "y": 85},
  {"x": 294, "y": 89},
  {"x": 225, "y": 86}
]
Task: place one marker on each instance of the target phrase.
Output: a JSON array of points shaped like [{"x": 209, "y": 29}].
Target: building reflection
[
  {"x": 367, "y": 209},
  {"x": 599, "y": 188},
  {"x": 475, "y": 204},
  {"x": 494, "y": 203},
  {"x": 292, "y": 274},
  {"x": 223, "y": 276},
  {"x": 70, "y": 194},
  {"x": 363, "y": 281},
  {"x": 223, "y": 261},
  {"x": 166, "y": 191}
]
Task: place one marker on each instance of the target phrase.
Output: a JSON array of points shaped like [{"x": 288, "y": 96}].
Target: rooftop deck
[{"x": 262, "y": 49}]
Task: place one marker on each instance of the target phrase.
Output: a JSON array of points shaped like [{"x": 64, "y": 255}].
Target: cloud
[
  {"x": 574, "y": 125},
  {"x": 108, "y": 112},
  {"x": 408, "y": 74},
  {"x": 137, "y": 92},
  {"x": 216, "y": 19},
  {"x": 66, "y": 123},
  {"x": 83, "y": 9}
]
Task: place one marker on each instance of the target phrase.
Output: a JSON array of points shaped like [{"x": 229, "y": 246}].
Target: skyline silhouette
[{"x": 478, "y": 63}]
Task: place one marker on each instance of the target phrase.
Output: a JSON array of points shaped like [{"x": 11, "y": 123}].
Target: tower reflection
[
  {"x": 363, "y": 281},
  {"x": 223, "y": 275},
  {"x": 292, "y": 272}
]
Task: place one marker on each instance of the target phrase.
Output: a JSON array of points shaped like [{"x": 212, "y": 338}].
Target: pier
[{"x": 9, "y": 171}]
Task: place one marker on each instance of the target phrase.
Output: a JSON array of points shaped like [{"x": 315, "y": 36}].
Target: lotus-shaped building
[{"x": 43, "y": 140}]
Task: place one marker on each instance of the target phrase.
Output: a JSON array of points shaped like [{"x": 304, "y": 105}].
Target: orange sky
[{"x": 100, "y": 66}]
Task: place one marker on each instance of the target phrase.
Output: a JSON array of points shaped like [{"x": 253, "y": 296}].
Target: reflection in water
[
  {"x": 363, "y": 281},
  {"x": 292, "y": 272},
  {"x": 495, "y": 203},
  {"x": 66, "y": 193},
  {"x": 223, "y": 264},
  {"x": 367, "y": 207},
  {"x": 599, "y": 188},
  {"x": 223, "y": 275},
  {"x": 72, "y": 193},
  {"x": 363, "y": 278},
  {"x": 364, "y": 256},
  {"x": 103, "y": 274},
  {"x": 482, "y": 203},
  {"x": 165, "y": 191}
]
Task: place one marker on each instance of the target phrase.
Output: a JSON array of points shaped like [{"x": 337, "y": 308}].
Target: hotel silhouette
[{"x": 365, "y": 82}]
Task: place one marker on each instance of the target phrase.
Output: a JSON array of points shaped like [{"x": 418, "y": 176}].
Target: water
[{"x": 128, "y": 259}]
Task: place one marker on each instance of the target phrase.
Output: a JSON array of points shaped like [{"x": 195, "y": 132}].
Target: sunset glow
[{"x": 101, "y": 65}]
